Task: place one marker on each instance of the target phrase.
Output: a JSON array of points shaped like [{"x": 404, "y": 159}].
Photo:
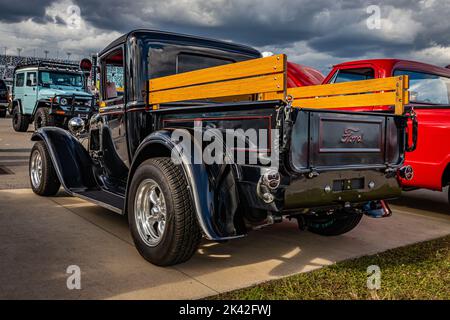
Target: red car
[
  {"x": 430, "y": 98},
  {"x": 300, "y": 75}
]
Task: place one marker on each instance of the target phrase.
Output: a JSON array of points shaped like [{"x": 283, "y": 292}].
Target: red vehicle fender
[{"x": 300, "y": 75}]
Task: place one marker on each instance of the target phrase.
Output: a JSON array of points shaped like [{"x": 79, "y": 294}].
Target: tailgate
[{"x": 329, "y": 140}]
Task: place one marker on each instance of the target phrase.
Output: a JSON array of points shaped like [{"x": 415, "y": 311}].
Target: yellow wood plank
[
  {"x": 360, "y": 100},
  {"x": 364, "y": 86},
  {"x": 402, "y": 96},
  {"x": 276, "y": 95},
  {"x": 249, "y": 68},
  {"x": 252, "y": 85}
]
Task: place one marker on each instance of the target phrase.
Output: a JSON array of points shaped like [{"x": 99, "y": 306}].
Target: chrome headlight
[
  {"x": 76, "y": 125},
  {"x": 63, "y": 101}
]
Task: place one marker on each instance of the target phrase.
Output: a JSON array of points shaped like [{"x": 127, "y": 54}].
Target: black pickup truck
[{"x": 328, "y": 167}]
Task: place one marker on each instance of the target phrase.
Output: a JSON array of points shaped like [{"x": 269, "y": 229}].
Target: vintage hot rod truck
[
  {"x": 430, "y": 99},
  {"x": 330, "y": 167}
]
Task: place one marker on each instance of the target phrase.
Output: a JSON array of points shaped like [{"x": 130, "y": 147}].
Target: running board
[{"x": 106, "y": 199}]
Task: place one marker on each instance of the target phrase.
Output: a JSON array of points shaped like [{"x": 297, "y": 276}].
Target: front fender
[
  {"x": 213, "y": 187},
  {"x": 72, "y": 162}
]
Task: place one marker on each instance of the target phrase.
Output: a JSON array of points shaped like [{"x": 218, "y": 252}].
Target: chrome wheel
[
  {"x": 150, "y": 212},
  {"x": 36, "y": 169}
]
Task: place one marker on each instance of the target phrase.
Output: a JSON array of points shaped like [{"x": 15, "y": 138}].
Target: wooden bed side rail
[
  {"x": 257, "y": 76},
  {"x": 377, "y": 92}
]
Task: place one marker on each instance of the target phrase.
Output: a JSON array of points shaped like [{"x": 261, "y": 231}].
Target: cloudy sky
[{"x": 318, "y": 33}]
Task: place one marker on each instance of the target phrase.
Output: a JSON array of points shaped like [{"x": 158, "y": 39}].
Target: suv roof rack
[{"x": 50, "y": 65}]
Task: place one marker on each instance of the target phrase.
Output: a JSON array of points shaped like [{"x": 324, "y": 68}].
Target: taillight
[{"x": 406, "y": 172}]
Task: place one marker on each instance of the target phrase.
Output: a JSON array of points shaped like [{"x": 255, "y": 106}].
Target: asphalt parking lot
[{"x": 41, "y": 237}]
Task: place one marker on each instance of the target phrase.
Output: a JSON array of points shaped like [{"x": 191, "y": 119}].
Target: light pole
[
  {"x": 19, "y": 50},
  {"x": 46, "y": 53},
  {"x": 68, "y": 55}
]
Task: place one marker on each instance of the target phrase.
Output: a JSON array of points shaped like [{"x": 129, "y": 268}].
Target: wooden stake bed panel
[
  {"x": 266, "y": 78},
  {"x": 245, "y": 69},
  {"x": 366, "y": 93},
  {"x": 230, "y": 88},
  {"x": 264, "y": 75}
]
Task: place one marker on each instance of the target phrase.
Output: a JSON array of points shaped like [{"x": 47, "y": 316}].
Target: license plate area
[{"x": 348, "y": 184}]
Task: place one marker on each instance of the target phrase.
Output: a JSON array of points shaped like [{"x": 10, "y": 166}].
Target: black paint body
[{"x": 312, "y": 154}]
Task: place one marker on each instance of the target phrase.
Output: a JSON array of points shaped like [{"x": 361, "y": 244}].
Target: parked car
[
  {"x": 328, "y": 168},
  {"x": 430, "y": 99},
  {"x": 301, "y": 75},
  {"x": 49, "y": 94},
  {"x": 4, "y": 99}
]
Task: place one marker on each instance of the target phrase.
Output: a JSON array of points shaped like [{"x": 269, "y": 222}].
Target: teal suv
[{"x": 49, "y": 95}]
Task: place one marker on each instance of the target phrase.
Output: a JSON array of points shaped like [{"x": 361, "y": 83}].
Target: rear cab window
[
  {"x": 427, "y": 88},
  {"x": 189, "y": 62},
  {"x": 347, "y": 75}
]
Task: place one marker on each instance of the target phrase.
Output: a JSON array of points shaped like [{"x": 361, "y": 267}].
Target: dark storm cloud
[
  {"x": 252, "y": 22},
  {"x": 335, "y": 28},
  {"x": 16, "y": 11},
  {"x": 261, "y": 23}
]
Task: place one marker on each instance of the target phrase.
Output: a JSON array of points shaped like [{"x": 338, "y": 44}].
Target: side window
[
  {"x": 347, "y": 75},
  {"x": 112, "y": 75},
  {"x": 31, "y": 79},
  {"x": 426, "y": 87},
  {"x": 20, "y": 79}
]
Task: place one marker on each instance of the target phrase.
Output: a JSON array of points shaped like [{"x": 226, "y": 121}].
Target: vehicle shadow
[
  {"x": 426, "y": 200},
  {"x": 112, "y": 267}
]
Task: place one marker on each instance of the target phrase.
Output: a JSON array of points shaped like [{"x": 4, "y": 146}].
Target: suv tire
[
  {"x": 333, "y": 225},
  {"x": 43, "y": 178},
  {"x": 43, "y": 119},
  {"x": 20, "y": 122},
  {"x": 172, "y": 209}
]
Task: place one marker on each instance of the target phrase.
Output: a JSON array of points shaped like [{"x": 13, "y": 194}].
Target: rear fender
[
  {"x": 213, "y": 187},
  {"x": 72, "y": 162}
]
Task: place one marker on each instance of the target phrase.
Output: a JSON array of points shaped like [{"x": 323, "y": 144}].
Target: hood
[{"x": 50, "y": 92}]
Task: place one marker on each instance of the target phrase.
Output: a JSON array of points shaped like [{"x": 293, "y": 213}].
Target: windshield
[
  {"x": 427, "y": 88},
  {"x": 55, "y": 78}
]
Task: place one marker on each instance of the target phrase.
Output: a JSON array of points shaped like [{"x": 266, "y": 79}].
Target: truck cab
[
  {"x": 430, "y": 100},
  {"x": 49, "y": 94}
]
